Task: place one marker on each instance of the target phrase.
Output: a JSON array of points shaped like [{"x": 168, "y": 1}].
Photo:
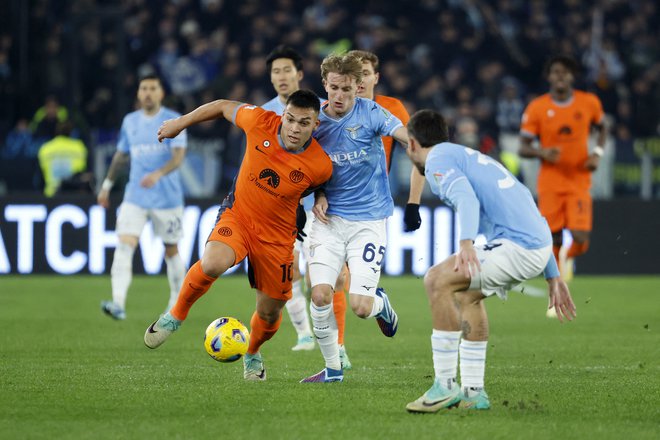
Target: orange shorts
[
  {"x": 270, "y": 266},
  {"x": 571, "y": 211}
]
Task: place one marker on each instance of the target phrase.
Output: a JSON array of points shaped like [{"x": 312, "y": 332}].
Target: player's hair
[
  {"x": 347, "y": 64},
  {"x": 304, "y": 98},
  {"x": 565, "y": 60},
  {"x": 428, "y": 127},
  {"x": 284, "y": 51},
  {"x": 365, "y": 55},
  {"x": 151, "y": 76}
]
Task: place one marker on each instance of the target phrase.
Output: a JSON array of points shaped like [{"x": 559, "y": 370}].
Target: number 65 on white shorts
[{"x": 359, "y": 243}]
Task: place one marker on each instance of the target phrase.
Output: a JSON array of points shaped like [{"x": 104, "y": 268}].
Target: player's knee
[
  {"x": 215, "y": 265},
  {"x": 171, "y": 250},
  {"x": 361, "y": 305},
  {"x": 436, "y": 279},
  {"x": 321, "y": 295}
]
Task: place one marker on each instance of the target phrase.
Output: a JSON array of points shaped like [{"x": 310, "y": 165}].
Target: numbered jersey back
[{"x": 507, "y": 209}]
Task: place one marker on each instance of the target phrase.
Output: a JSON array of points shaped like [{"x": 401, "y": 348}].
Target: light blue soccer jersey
[
  {"x": 506, "y": 207},
  {"x": 139, "y": 138},
  {"x": 359, "y": 188},
  {"x": 276, "y": 105}
]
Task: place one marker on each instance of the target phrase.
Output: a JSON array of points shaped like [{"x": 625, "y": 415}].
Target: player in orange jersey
[
  {"x": 370, "y": 77},
  {"x": 285, "y": 65},
  {"x": 562, "y": 120},
  {"x": 257, "y": 219}
]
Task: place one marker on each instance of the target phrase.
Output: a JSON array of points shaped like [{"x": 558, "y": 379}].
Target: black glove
[
  {"x": 411, "y": 217},
  {"x": 301, "y": 219}
]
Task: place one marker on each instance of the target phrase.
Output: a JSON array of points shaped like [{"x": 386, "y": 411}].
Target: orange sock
[
  {"x": 577, "y": 249},
  {"x": 339, "y": 307},
  {"x": 195, "y": 284},
  {"x": 555, "y": 252},
  {"x": 261, "y": 331}
]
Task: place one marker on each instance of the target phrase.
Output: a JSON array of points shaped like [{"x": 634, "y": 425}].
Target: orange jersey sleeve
[
  {"x": 397, "y": 108},
  {"x": 272, "y": 179},
  {"x": 565, "y": 126}
]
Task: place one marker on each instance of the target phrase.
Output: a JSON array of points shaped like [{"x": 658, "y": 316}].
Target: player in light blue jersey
[
  {"x": 286, "y": 71},
  {"x": 153, "y": 192},
  {"x": 490, "y": 200},
  {"x": 351, "y": 209}
]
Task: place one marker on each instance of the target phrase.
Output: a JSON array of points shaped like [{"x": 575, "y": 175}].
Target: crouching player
[{"x": 488, "y": 199}]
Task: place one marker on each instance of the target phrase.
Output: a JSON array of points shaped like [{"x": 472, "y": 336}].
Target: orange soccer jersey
[
  {"x": 395, "y": 107},
  {"x": 258, "y": 217},
  {"x": 565, "y": 126}
]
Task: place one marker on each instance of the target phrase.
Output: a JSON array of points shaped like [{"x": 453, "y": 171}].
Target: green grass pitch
[{"x": 68, "y": 371}]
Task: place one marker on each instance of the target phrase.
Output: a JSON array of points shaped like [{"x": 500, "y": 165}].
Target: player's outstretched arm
[{"x": 221, "y": 108}]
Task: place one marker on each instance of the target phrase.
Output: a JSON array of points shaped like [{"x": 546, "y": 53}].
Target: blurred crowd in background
[{"x": 479, "y": 62}]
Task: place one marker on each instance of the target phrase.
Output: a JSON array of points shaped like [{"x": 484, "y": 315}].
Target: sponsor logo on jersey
[
  {"x": 264, "y": 144},
  {"x": 350, "y": 157},
  {"x": 565, "y": 130},
  {"x": 271, "y": 177}
]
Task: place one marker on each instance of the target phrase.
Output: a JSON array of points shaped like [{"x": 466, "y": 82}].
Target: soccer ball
[{"x": 226, "y": 339}]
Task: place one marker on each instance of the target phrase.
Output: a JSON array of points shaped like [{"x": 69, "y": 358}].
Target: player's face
[
  {"x": 560, "y": 77},
  {"x": 284, "y": 76},
  {"x": 297, "y": 126},
  {"x": 150, "y": 94},
  {"x": 414, "y": 153},
  {"x": 341, "y": 91},
  {"x": 369, "y": 81}
]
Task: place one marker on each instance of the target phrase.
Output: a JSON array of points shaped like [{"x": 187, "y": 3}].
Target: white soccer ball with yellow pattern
[{"x": 226, "y": 339}]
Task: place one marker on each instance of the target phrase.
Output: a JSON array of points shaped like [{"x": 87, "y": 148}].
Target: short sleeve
[
  {"x": 247, "y": 116},
  {"x": 530, "y": 124},
  {"x": 122, "y": 144},
  {"x": 383, "y": 121}
]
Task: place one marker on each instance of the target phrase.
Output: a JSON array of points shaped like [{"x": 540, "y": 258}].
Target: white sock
[
  {"x": 121, "y": 273},
  {"x": 175, "y": 275},
  {"x": 297, "y": 308},
  {"x": 445, "y": 355},
  {"x": 377, "y": 307},
  {"x": 473, "y": 363},
  {"x": 325, "y": 329}
]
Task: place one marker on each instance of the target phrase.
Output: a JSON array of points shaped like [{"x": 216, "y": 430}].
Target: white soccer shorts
[
  {"x": 166, "y": 222},
  {"x": 360, "y": 243},
  {"x": 505, "y": 264}
]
